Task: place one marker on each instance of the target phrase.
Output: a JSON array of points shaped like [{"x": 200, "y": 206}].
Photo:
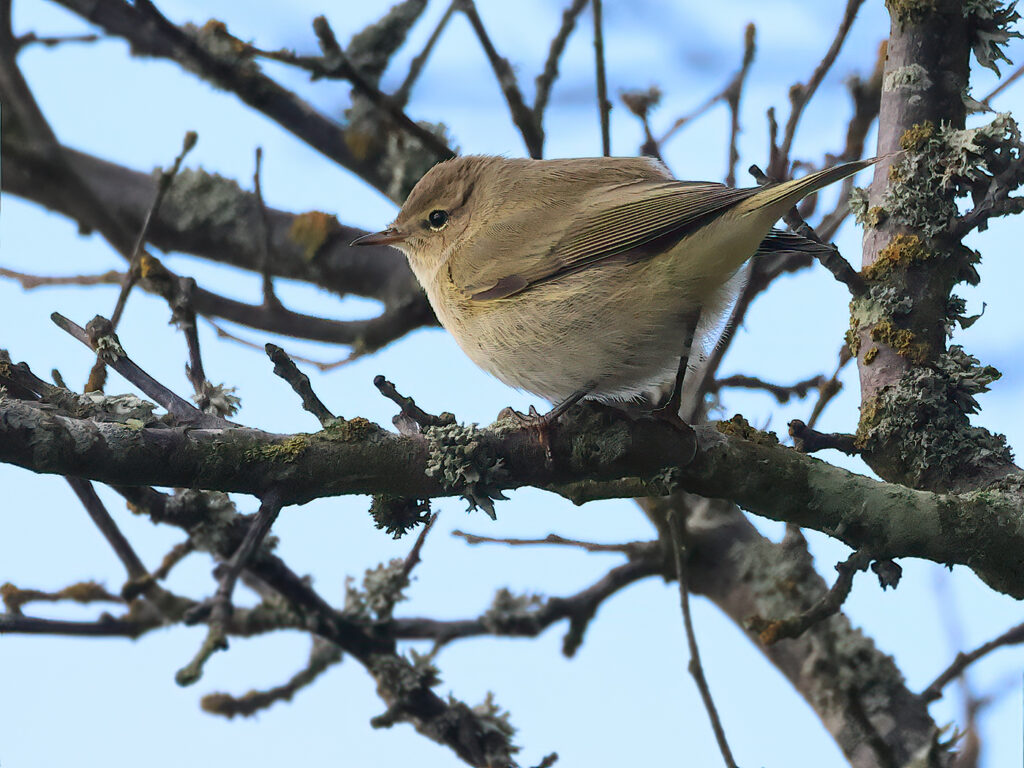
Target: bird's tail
[{"x": 781, "y": 197}]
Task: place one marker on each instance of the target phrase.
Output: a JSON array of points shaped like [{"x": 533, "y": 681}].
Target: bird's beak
[{"x": 389, "y": 236}]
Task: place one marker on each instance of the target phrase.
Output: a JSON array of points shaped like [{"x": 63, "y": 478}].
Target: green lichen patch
[
  {"x": 910, "y": 11},
  {"x": 870, "y": 355},
  {"x": 311, "y": 230},
  {"x": 865, "y": 215},
  {"x": 916, "y": 138},
  {"x": 903, "y": 341},
  {"x": 351, "y": 430},
  {"x": 287, "y": 450},
  {"x": 901, "y": 252},
  {"x": 739, "y": 427}
]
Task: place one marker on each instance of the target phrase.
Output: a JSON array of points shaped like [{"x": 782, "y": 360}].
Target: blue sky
[{"x": 626, "y": 697}]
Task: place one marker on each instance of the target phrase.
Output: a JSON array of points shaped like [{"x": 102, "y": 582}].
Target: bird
[{"x": 587, "y": 278}]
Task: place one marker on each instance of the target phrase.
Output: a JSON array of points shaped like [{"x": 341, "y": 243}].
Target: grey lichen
[
  {"x": 968, "y": 375},
  {"x": 199, "y": 201},
  {"x": 858, "y": 202},
  {"x": 108, "y": 348},
  {"x": 884, "y": 300},
  {"x": 494, "y": 720},
  {"x": 397, "y": 515},
  {"x": 920, "y": 423},
  {"x": 122, "y": 409},
  {"x": 991, "y": 22},
  {"x": 509, "y": 611},
  {"x": 371, "y": 49},
  {"x": 402, "y": 677},
  {"x": 213, "y": 37},
  {"x": 912, "y": 77},
  {"x": 381, "y": 591},
  {"x": 218, "y": 399},
  {"x": 941, "y": 164},
  {"x": 462, "y": 461},
  {"x": 210, "y": 535}
]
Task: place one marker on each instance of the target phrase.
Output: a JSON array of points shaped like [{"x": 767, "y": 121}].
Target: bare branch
[
  {"x": 287, "y": 370},
  {"x": 401, "y": 96},
  {"x": 632, "y": 549},
  {"x": 604, "y": 106},
  {"x": 679, "y": 553},
  {"x": 1012, "y": 636},
  {"x": 522, "y": 116},
  {"x": 779, "y": 392},
  {"x": 801, "y": 93},
  {"x": 322, "y": 656},
  {"x": 220, "y": 608},
  {"x": 546, "y": 79},
  {"x": 101, "y": 517}
]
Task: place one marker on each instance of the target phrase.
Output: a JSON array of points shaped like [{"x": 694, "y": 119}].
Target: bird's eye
[{"x": 437, "y": 220}]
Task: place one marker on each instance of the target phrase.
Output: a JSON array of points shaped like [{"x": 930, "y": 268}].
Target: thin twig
[
  {"x": 695, "y": 667},
  {"x": 28, "y": 282},
  {"x": 522, "y": 116},
  {"x": 98, "y": 374},
  {"x": 334, "y": 54},
  {"x": 779, "y": 392},
  {"x": 413, "y": 558},
  {"x": 732, "y": 89},
  {"x": 604, "y": 106},
  {"x": 770, "y": 631},
  {"x": 269, "y": 297},
  {"x": 1004, "y": 84},
  {"x": 220, "y": 607},
  {"x": 409, "y": 407},
  {"x": 163, "y": 185},
  {"x": 829, "y": 256},
  {"x": 733, "y": 94},
  {"x": 1012, "y": 636},
  {"x": 334, "y": 64},
  {"x": 809, "y": 440},
  {"x": 401, "y": 96},
  {"x": 632, "y": 548},
  {"x": 829, "y": 389},
  {"x": 322, "y": 656},
  {"x": 177, "y": 553},
  {"x": 31, "y": 38},
  {"x": 99, "y": 336},
  {"x": 800, "y": 94},
  {"x": 86, "y": 493},
  {"x": 546, "y": 79},
  {"x": 184, "y": 315},
  {"x": 867, "y": 97},
  {"x": 287, "y": 370}
]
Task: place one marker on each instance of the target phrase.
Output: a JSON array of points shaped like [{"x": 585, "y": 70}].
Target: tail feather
[{"x": 781, "y": 197}]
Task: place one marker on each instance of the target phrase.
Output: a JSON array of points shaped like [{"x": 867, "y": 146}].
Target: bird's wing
[
  {"x": 613, "y": 220},
  {"x": 784, "y": 241}
]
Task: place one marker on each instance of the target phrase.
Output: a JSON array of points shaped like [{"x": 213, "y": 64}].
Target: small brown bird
[{"x": 586, "y": 278}]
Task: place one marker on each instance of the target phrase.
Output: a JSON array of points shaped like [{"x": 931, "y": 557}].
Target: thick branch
[{"x": 972, "y": 528}]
